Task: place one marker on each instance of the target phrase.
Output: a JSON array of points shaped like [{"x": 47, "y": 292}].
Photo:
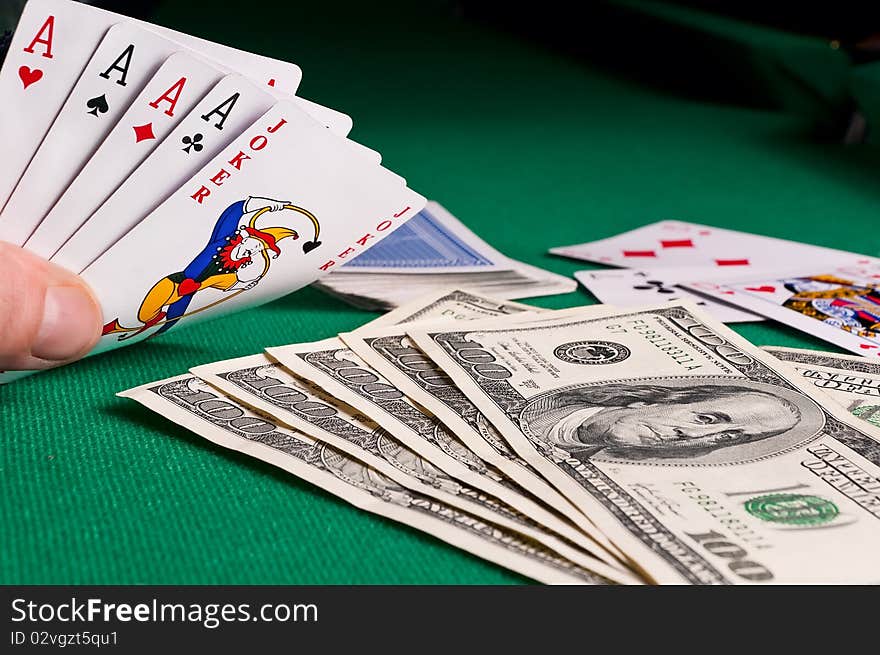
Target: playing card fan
[{"x": 181, "y": 178}]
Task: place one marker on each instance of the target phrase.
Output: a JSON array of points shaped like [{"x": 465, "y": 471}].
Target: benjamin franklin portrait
[{"x": 686, "y": 420}]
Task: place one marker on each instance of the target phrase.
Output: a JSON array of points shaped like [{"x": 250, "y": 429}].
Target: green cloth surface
[{"x": 530, "y": 149}]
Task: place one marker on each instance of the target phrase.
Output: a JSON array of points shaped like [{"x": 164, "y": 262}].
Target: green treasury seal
[
  {"x": 870, "y": 413},
  {"x": 792, "y": 509}
]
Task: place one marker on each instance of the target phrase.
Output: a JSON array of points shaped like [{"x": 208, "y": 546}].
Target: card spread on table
[
  {"x": 630, "y": 287},
  {"x": 722, "y": 253},
  {"x": 740, "y": 277}
]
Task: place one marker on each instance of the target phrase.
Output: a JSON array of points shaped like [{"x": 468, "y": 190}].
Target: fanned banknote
[
  {"x": 588, "y": 445},
  {"x": 261, "y": 382},
  {"x": 190, "y": 402},
  {"x": 340, "y": 372},
  {"x": 387, "y": 349},
  {"x": 265, "y": 385},
  {"x": 704, "y": 459}
]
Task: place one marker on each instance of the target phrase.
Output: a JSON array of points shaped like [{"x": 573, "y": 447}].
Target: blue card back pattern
[{"x": 421, "y": 242}]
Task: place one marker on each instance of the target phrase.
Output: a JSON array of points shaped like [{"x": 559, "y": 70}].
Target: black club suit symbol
[
  {"x": 656, "y": 285},
  {"x": 193, "y": 143}
]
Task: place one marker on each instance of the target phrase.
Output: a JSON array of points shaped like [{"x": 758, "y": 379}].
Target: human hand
[{"x": 48, "y": 316}]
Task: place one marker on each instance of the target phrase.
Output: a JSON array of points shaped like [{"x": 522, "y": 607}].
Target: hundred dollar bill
[
  {"x": 451, "y": 304},
  {"x": 851, "y": 381},
  {"x": 190, "y": 402},
  {"x": 389, "y": 351},
  {"x": 346, "y": 377},
  {"x": 258, "y": 382},
  {"x": 703, "y": 458}
]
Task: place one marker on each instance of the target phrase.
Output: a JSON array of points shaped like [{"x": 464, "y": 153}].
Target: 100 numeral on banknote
[{"x": 702, "y": 458}]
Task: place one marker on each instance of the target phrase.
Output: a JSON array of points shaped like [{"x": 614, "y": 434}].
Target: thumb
[{"x": 48, "y": 316}]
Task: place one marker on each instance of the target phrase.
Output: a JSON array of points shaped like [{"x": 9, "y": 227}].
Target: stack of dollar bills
[
  {"x": 435, "y": 250},
  {"x": 583, "y": 446}
]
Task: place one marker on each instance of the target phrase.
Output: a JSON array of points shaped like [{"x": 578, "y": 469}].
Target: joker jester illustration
[{"x": 237, "y": 256}]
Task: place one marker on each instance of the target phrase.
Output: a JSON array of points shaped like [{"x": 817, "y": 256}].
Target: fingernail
[{"x": 70, "y": 324}]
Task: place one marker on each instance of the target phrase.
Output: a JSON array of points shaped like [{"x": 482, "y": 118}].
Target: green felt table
[{"x": 531, "y": 149}]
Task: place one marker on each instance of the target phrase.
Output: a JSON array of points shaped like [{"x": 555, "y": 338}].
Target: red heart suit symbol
[
  {"x": 29, "y": 76},
  {"x": 763, "y": 289}
]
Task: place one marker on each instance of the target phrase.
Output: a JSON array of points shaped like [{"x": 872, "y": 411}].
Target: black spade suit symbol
[{"x": 98, "y": 105}]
